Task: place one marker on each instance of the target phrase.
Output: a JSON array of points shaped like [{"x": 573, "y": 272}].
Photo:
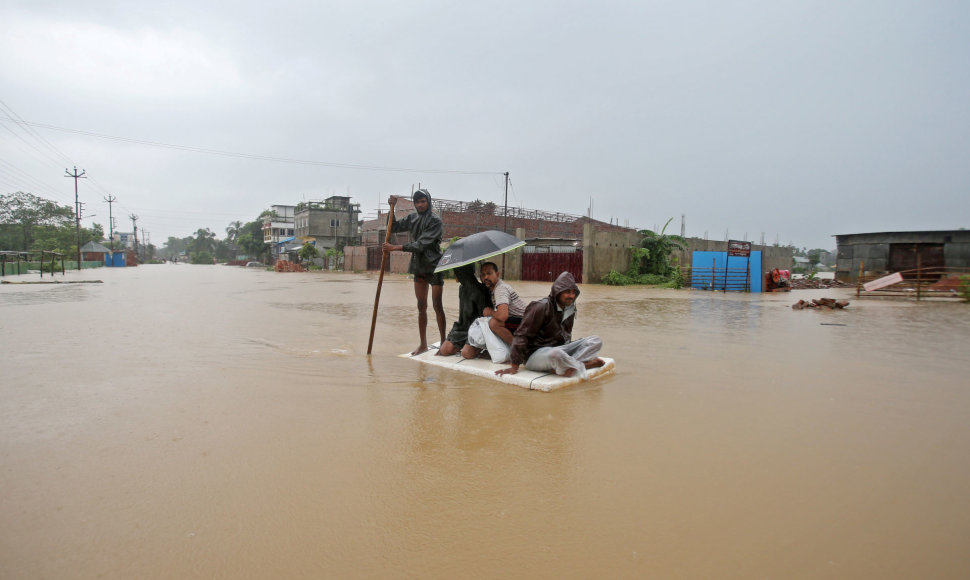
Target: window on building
[{"x": 335, "y": 223}]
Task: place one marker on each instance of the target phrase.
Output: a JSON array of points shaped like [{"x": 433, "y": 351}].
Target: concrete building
[
  {"x": 887, "y": 252},
  {"x": 125, "y": 239},
  {"x": 278, "y": 227},
  {"x": 332, "y": 223}
]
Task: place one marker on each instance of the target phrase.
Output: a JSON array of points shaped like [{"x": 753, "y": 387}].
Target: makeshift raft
[{"x": 483, "y": 367}]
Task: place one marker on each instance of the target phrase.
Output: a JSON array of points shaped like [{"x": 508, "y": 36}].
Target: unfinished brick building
[
  {"x": 555, "y": 239},
  {"x": 463, "y": 218}
]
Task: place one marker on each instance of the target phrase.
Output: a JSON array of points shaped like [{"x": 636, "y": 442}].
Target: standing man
[
  {"x": 425, "y": 248},
  {"x": 543, "y": 341}
]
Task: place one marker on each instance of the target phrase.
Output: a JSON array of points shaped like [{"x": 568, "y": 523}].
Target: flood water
[{"x": 184, "y": 421}]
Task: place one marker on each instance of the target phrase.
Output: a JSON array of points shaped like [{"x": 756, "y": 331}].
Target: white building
[{"x": 278, "y": 227}]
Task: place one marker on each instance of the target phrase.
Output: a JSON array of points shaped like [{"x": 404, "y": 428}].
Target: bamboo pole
[
  {"x": 919, "y": 276},
  {"x": 858, "y": 287},
  {"x": 380, "y": 278}
]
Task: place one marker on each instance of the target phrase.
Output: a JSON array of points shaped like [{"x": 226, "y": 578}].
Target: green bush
[
  {"x": 614, "y": 278},
  {"x": 202, "y": 257}
]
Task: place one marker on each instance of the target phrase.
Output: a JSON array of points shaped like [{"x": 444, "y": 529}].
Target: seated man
[
  {"x": 473, "y": 297},
  {"x": 543, "y": 340},
  {"x": 503, "y": 316}
]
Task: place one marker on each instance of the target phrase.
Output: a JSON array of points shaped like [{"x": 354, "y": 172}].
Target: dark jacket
[
  {"x": 425, "y": 244},
  {"x": 543, "y": 324},
  {"x": 473, "y": 297}
]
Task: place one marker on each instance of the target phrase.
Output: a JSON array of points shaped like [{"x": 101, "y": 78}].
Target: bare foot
[
  {"x": 596, "y": 362},
  {"x": 419, "y": 350},
  {"x": 569, "y": 372}
]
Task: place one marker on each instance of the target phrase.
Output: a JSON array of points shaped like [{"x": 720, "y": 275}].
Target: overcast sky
[{"x": 792, "y": 120}]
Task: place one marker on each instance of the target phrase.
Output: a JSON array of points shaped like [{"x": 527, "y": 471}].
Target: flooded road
[{"x": 184, "y": 421}]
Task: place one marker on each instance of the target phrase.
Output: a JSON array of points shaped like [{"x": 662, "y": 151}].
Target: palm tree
[
  {"x": 660, "y": 245},
  {"x": 204, "y": 240},
  {"x": 232, "y": 233}
]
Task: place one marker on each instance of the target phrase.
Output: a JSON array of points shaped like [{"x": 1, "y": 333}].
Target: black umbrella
[{"x": 477, "y": 247}]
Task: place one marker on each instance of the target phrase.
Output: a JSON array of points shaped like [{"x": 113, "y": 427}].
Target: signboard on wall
[{"x": 739, "y": 248}]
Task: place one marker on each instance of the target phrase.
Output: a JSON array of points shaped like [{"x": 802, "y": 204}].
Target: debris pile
[
  {"x": 287, "y": 266},
  {"x": 818, "y": 284},
  {"x": 824, "y": 303}
]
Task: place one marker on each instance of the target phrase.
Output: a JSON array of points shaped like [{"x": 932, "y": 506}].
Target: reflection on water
[{"x": 204, "y": 421}]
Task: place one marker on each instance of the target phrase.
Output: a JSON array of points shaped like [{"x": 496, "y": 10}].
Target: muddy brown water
[{"x": 185, "y": 421}]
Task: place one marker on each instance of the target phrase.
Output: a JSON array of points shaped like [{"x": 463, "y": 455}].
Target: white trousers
[
  {"x": 567, "y": 356},
  {"x": 481, "y": 336}
]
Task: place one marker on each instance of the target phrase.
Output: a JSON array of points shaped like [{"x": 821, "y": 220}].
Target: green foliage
[
  {"x": 308, "y": 252},
  {"x": 676, "y": 279},
  {"x": 965, "y": 287},
  {"x": 659, "y": 246},
  {"x": 202, "y": 257},
  {"x": 614, "y": 278},
  {"x": 26, "y": 218},
  {"x": 204, "y": 241},
  {"x": 481, "y": 206},
  {"x": 638, "y": 257}
]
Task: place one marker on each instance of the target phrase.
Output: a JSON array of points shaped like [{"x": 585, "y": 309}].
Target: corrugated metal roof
[{"x": 94, "y": 247}]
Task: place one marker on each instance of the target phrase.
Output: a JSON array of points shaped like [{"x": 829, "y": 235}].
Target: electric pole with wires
[
  {"x": 111, "y": 221},
  {"x": 77, "y": 211}
]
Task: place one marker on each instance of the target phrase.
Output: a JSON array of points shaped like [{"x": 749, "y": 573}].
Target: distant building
[
  {"x": 332, "y": 223},
  {"x": 887, "y": 252},
  {"x": 278, "y": 227},
  {"x": 126, "y": 239}
]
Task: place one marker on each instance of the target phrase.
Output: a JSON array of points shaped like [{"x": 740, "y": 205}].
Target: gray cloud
[{"x": 799, "y": 120}]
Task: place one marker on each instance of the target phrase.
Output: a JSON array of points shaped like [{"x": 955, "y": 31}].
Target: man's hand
[
  {"x": 488, "y": 311},
  {"x": 509, "y": 371},
  {"x": 389, "y": 247},
  {"x": 392, "y": 200}
]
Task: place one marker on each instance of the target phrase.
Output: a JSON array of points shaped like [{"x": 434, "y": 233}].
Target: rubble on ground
[
  {"x": 821, "y": 303},
  {"x": 818, "y": 284}
]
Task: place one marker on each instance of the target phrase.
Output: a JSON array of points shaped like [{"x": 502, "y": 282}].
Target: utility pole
[
  {"x": 111, "y": 221},
  {"x": 505, "y": 228},
  {"x": 134, "y": 226},
  {"x": 683, "y": 225},
  {"x": 77, "y": 211}
]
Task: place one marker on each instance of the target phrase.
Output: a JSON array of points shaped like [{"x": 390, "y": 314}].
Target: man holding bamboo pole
[{"x": 425, "y": 249}]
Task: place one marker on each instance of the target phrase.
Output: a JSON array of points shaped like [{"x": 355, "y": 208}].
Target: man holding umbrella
[
  {"x": 425, "y": 249},
  {"x": 461, "y": 256}
]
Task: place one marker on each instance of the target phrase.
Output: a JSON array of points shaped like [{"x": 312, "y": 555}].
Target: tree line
[
  {"x": 32, "y": 223},
  {"x": 243, "y": 241}
]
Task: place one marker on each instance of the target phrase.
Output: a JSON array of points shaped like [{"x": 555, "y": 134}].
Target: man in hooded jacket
[
  {"x": 543, "y": 341},
  {"x": 425, "y": 249}
]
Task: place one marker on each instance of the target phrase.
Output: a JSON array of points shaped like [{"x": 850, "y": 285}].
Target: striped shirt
[{"x": 504, "y": 294}]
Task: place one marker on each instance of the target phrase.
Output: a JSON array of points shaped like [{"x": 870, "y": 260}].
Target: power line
[
  {"x": 253, "y": 155},
  {"x": 20, "y": 121}
]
